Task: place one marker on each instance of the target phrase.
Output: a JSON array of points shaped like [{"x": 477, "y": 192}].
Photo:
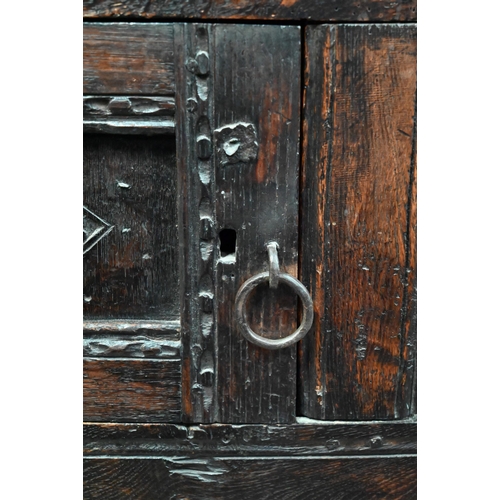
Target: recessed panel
[{"x": 130, "y": 227}]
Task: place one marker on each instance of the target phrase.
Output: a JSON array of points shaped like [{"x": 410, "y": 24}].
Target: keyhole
[{"x": 227, "y": 238}]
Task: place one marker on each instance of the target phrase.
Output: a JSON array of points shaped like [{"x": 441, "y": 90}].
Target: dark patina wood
[
  {"x": 131, "y": 290},
  {"x": 175, "y": 226},
  {"x": 280, "y": 478},
  {"x": 133, "y": 346},
  {"x": 131, "y": 272},
  {"x": 134, "y": 339},
  {"x": 131, "y": 390},
  {"x": 237, "y": 150},
  {"x": 257, "y": 109},
  {"x": 306, "y": 438},
  {"x": 358, "y": 253},
  {"x": 128, "y": 58},
  {"x": 141, "y": 115},
  {"x": 407, "y": 386},
  {"x": 194, "y": 104},
  {"x": 271, "y": 10}
]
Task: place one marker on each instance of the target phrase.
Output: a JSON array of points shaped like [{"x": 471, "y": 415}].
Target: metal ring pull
[{"x": 273, "y": 276}]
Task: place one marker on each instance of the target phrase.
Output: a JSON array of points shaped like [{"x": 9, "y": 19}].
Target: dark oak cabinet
[{"x": 206, "y": 140}]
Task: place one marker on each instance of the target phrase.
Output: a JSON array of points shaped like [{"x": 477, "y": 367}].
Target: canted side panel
[{"x": 358, "y": 221}]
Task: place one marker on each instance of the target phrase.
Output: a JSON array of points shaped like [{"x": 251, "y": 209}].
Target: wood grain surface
[
  {"x": 278, "y": 478},
  {"x": 358, "y": 221},
  {"x": 237, "y": 148},
  {"x": 131, "y": 390},
  {"x": 257, "y": 91},
  {"x": 306, "y": 438},
  {"x": 407, "y": 387},
  {"x": 141, "y": 115},
  {"x": 132, "y": 272},
  {"x": 271, "y": 10},
  {"x": 197, "y": 239},
  {"x": 131, "y": 339},
  {"x": 128, "y": 58}
]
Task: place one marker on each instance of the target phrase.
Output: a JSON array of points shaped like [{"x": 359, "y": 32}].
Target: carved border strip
[
  {"x": 129, "y": 115},
  {"x": 194, "y": 106},
  {"x": 130, "y": 346},
  {"x": 301, "y": 439},
  {"x": 131, "y": 339},
  {"x": 130, "y": 326}
]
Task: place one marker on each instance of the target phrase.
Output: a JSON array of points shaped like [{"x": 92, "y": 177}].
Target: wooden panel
[
  {"x": 318, "y": 10},
  {"x": 128, "y": 58},
  {"x": 177, "y": 477},
  {"x": 257, "y": 107},
  {"x": 357, "y": 253},
  {"x": 130, "y": 194},
  {"x": 127, "y": 390},
  {"x": 311, "y": 438}
]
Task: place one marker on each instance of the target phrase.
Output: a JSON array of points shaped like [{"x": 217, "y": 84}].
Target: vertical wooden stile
[{"x": 194, "y": 109}]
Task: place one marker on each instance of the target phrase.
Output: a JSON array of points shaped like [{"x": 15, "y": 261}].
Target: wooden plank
[
  {"x": 214, "y": 478},
  {"x": 308, "y": 438},
  {"x": 194, "y": 110},
  {"x": 128, "y": 58},
  {"x": 130, "y": 222},
  {"x": 272, "y": 10},
  {"x": 131, "y": 390},
  {"x": 357, "y": 252},
  {"x": 256, "y": 102}
]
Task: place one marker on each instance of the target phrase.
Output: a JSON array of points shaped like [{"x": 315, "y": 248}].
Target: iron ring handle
[{"x": 241, "y": 316}]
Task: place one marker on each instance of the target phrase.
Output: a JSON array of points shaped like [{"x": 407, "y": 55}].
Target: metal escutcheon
[{"x": 273, "y": 276}]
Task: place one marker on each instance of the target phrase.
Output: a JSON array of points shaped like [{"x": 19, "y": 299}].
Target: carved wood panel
[{"x": 130, "y": 228}]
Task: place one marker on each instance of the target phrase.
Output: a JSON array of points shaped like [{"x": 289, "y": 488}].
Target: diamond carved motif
[{"x": 94, "y": 229}]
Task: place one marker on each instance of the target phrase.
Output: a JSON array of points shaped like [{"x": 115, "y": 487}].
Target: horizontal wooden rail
[{"x": 269, "y": 10}]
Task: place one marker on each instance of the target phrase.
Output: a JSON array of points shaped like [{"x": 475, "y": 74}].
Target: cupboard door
[
  {"x": 238, "y": 116},
  {"x": 175, "y": 241},
  {"x": 358, "y": 222}
]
